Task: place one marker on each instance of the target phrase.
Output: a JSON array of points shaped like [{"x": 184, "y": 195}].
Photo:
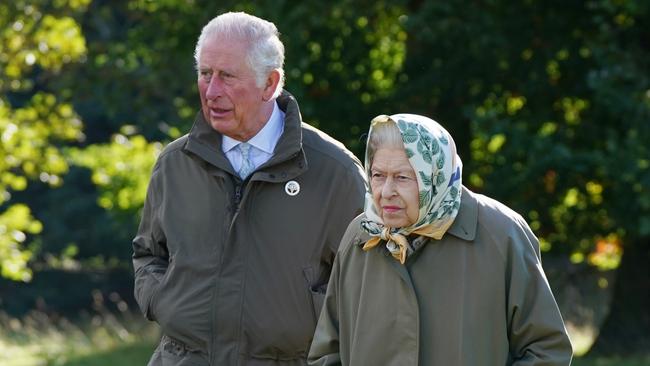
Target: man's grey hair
[{"x": 265, "y": 50}]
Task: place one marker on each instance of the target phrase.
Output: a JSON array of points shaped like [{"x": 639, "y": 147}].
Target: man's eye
[{"x": 206, "y": 75}]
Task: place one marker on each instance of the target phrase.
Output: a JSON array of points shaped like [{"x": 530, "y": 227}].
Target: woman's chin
[{"x": 395, "y": 223}]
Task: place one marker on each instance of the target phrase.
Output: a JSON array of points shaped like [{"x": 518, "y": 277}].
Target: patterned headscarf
[{"x": 432, "y": 154}]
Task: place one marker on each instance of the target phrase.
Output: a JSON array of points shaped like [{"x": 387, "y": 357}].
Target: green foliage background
[{"x": 549, "y": 103}]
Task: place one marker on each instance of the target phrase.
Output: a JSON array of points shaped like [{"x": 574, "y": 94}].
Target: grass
[
  {"x": 99, "y": 340},
  {"x": 106, "y": 338},
  {"x": 139, "y": 353},
  {"x": 95, "y": 338},
  {"x": 132, "y": 354},
  {"x": 612, "y": 361}
]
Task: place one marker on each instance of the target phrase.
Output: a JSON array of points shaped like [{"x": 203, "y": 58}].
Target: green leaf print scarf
[{"x": 432, "y": 154}]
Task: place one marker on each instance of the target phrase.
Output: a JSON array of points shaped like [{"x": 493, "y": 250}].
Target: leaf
[
  {"x": 425, "y": 137},
  {"x": 440, "y": 163},
  {"x": 435, "y": 148},
  {"x": 425, "y": 196},
  {"x": 453, "y": 192},
  {"x": 426, "y": 156},
  {"x": 440, "y": 178},
  {"x": 425, "y": 152},
  {"x": 427, "y": 181},
  {"x": 410, "y": 135},
  {"x": 409, "y": 153}
]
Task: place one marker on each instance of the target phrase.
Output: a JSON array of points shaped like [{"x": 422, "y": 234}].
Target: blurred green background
[{"x": 548, "y": 101}]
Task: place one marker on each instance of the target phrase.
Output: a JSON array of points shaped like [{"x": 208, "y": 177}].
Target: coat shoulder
[
  {"x": 496, "y": 215},
  {"x": 317, "y": 141},
  {"x": 504, "y": 227},
  {"x": 173, "y": 147}
]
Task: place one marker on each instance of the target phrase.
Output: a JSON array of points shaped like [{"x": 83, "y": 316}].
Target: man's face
[{"x": 230, "y": 98}]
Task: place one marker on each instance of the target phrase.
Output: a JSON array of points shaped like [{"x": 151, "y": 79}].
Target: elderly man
[{"x": 244, "y": 214}]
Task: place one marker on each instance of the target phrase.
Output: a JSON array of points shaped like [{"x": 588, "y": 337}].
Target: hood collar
[{"x": 205, "y": 142}]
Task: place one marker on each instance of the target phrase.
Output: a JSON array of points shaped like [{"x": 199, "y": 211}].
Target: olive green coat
[
  {"x": 477, "y": 297},
  {"x": 235, "y": 272}
]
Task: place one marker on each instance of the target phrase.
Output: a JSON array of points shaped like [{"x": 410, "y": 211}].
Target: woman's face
[{"x": 394, "y": 187}]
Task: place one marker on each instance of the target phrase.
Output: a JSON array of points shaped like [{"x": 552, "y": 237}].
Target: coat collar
[
  {"x": 288, "y": 160},
  {"x": 465, "y": 223}
]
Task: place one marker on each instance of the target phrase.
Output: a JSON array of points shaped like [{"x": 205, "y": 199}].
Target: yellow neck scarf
[{"x": 400, "y": 240}]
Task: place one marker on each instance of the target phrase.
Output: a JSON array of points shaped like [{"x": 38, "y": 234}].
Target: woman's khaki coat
[{"x": 477, "y": 297}]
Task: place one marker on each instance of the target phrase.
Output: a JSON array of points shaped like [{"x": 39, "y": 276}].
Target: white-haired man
[{"x": 243, "y": 214}]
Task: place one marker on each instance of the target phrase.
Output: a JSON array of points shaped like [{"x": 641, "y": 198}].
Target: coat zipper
[
  {"x": 237, "y": 197},
  {"x": 235, "y": 212}
]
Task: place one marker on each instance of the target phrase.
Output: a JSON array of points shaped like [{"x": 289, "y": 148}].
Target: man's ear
[{"x": 271, "y": 84}]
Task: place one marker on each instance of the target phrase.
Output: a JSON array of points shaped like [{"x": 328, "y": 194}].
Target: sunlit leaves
[
  {"x": 34, "y": 46},
  {"x": 30, "y": 38},
  {"x": 572, "y": 108},
  {"x": 15, "y": 224},
  {"x": 514, "y": 104},
  {"x": 364, "y": 52},
  {"x": 120, "y": 169},
  {"x": 59, "y": 41},
  {"x": 496, "y": 142},
  {"x": 549, "y": 116},
  {"x": 389, "y": 49},
  {"x": 607, "y": 252},
  {"x": 28, "y": 132}
]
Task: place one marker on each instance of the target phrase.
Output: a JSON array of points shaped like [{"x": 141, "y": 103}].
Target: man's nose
[{"x": 215, "y": 88}]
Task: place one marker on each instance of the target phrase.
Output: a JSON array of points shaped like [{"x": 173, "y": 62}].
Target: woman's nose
[{"x": 388, "y": 189}]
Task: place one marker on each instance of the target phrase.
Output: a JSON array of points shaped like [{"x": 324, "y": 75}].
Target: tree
[
  {"x": 550, "y": 101},
  {"x": 34, "y": 48}
]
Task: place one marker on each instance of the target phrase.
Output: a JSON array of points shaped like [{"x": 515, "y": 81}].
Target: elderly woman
[{"x": 432, "y": 273}]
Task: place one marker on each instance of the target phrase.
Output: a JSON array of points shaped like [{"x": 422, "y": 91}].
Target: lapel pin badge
[{"x": 292, "y": 188}]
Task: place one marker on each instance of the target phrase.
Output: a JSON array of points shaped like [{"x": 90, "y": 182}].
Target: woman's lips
[{"x": 391, "y": 209}]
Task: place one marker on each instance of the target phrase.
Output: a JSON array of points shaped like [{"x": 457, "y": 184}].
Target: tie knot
[
  {"x": 244, "y": 147},
  {"x": 247, "y": 166}
]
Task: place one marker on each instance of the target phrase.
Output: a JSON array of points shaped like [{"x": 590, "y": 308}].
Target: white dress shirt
[{"x": 262, "y": 144}]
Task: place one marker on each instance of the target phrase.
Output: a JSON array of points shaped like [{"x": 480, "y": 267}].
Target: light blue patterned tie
[{"x": 247, "y": 166}]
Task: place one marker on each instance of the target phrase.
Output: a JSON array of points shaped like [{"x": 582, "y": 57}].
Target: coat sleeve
[
  {"x": 349, "y": 201},
  {"x": 346, "y": 204},
  {"x": 150, "y": 256},
  {"x": 537, "y": 334},
  {"x": 324, "y": 350}
]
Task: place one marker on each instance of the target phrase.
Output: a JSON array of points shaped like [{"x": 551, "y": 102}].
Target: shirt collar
[{"x": 266, "y": 138}]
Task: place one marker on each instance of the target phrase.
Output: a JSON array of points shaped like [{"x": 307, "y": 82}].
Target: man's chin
[{"x": 224, "y": 127}]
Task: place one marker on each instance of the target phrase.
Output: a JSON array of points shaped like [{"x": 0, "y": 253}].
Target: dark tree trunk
[{"x": 626, "y": 330}]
